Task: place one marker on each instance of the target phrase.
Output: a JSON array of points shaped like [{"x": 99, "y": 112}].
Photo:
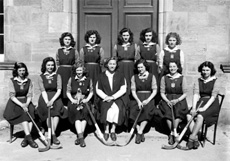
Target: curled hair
[
  {"x": 108, "y": 60},
  {"x": 17, "y": 66},
  {"x": 179, "y": 70},
  {"x": 77, "y": 65},
  {"x": 92, "y": 32},
  {"x": 141, "y": 61},
  {"x": 175, "y": 35},
  {"x": 65, "y": 34},
  {"x": 154, "y": 35},
  {"x": 43, "y": 67},
  {"x": 120, "y": 39},
  {"x": 207, "y": 64}
]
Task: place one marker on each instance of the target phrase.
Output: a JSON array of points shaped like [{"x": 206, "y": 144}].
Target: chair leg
[
  {"x": 205, "y": 134},
  {"x": 214, "y": 135},
  {"x": 11, "y": 133}
]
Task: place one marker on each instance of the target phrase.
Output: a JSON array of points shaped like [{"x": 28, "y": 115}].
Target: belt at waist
[
  {"x": 92, "y": 63},
  {"x": 21, "y": 97},
  {"x": 130, "y": 61},
  {"x": 143, "y": 91},
  {"x": 205, "y": 96},
  {"x": 65, "y": 65},
  {"x": 150, "y": 61}
]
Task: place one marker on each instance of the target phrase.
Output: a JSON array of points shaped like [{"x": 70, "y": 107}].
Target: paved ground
[{"x": 95, "y": 151}]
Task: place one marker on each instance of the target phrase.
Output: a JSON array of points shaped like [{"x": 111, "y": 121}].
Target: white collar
[
  {"x": 126, "y": 45},
  {"x": 91, "y": 46},
  {"x": 209, "y": 79},
  {"x": 80, "y": 79},
  {"x": 148, "y": 44},
  {"x": 177, "y": 75},
  {"x": 66, "y": 48},
  {"x": 48, "y": 74},
  {"x": 171, "y": 50},
  {"x": 109, "y": 74},
  {"x": 20, "y": 81},
  {"x": 144, "y": 75}
]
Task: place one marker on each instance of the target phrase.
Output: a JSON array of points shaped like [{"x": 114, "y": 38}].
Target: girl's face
[
  {"x": 148, "y": 36},
  {"x": 79, "y": 72},
  {"x": 173, "y": 68},
  {"x": 112, "y": 64},
  {"x": 50, "y": 66},
  {"x": 67, "y": 41},
  {"x": 92, "y": 39},
  {"x": 126, "y": 36},
  {"x": 172, "y": 42},
  {"x": 206, "y": 72},
  {"x": 141, "y": 68},
  {"x": 21, "y": 72}
]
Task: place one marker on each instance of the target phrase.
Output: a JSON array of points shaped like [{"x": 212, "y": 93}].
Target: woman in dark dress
[
  {"x": 144, "y": 89},
  {"x": 111, "y": 88},
  {"x": 206, "y": 89},
  {"x": 50, "y": 85},
  {"x": 173, "y": 92},
  {"x": 126, "y": 51},
  {"x": 79, "y": 92},
  {"x": 66, "y": 57},
  {"x": 20, "y": 88}
]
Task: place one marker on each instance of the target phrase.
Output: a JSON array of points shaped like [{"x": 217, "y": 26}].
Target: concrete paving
[{"x": 150, "y": 150}]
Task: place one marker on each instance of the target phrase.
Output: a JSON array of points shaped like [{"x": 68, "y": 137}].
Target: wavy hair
[
  {"x": 65, "y": 34},
  {"x": 207, "y": 64},
  {"x": 92, "y": 32},
  {"x": 17, "y": 66},
  {"x": 120, "y": 39},
  {"x": 154, "y": 35},
  {"x": 43, "y": 67},
  {"x": 175, "y": 35}
]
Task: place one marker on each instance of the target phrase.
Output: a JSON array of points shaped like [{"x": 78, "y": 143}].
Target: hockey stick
[
  {"x": 178, "y": 140},
  {"x": 131, "y": 131}
]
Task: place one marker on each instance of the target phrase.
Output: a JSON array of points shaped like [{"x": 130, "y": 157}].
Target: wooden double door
[{"x": 108, "y": 17}]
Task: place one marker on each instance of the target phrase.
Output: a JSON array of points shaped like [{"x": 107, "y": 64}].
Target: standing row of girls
[{"x": 116, "y": 90}]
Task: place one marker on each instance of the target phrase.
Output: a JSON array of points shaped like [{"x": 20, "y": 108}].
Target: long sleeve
[
  {"x": 182, "y": 59},
  {"x": 160, "y": 58},
  {"x": 115, "y": 50},
  {"x": 154, "y": 83},
  {"x": 11, "y": 89},
  {"x": 69, "y": 88},
  {"x": 100, "y": 93},
  {"x": 162, "y": 87},
  {"x": 133, "y": 84},
  {"x": 77, "y": 57},
  {"x": 184, "y": 85},
  {"x": 40, "y": 84},
  {"x": 57, "y": 59},
  {"x": 81, "y": 55},
  {"x": 59, "y": 82},
  {"x": 30, "y": 91},
  {"x": 121, "y": 91},
  {"x": 102, "y": 56},
  {"x": 196, "y": 87},
  {"x": 216, "y": 88},
  {"x": 137, "y": 53}
]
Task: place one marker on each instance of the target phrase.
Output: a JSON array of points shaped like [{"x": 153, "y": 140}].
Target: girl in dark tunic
[
  {"x": 126, "y": 51},
  {"x": 206, "y": 89},
  {"x": 20, "y": 88},
  {"x": 171, "y": 53},
  {"x": 79, "y": 89},
  {"x": 144, "y": 89},
  {"x": 111, "y": 88},
  {"x": 173, "y": 93},
  {"x": 50, "y": 85},
  {"x": 66, "y": 57}
]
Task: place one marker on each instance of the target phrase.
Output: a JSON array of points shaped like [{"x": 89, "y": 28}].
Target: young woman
[
  {"x": 20, "y": 88},
  {"x": 79, "y": 92},
  {"x": 66, "y": 57},
  {"x": 50, "y": 85},
  {"x": 173, "y": 92},
  {"x": 171, "y": 52},
  {"x": 111, "y": 88},
  {"x": 126, "y": 51},
  {"x": 144, "y": 89},
  {"x": 206, "y": 89}
]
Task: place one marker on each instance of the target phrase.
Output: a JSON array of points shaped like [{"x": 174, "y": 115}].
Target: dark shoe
[
  {"x": 171, "y": 140},
  {"x": 190, "y": 143},
  {"x": 24, "y": 143},
  {"x": 106, "y": 136},
  {"x": 142, "y": 138},
  {"x": 32, "y": 143},
  {"x": 138, "y": 138},
  {"x": 82, "y": 142},
  {"x": 113, "y": 136},
  {"x": 77, "y": 142},
  {"x": 55, "y": 140},
  {"x": 196, "y": 144}
]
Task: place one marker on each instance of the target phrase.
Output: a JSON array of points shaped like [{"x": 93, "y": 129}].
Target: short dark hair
[
  {"x": 120, "y": 38},
  {"x": 154, "y": 35},
  {"x": 179, "y": 70},
  {"x": 77, "y": 65},
  {"x": 175, "y": 35},
  {"x": 65, "y": 34},
  {"x": 207, "y": 64},
  {"x": 47, "y": 59},
  {"x": 92, "y": 32},
  {"x": 141, "y": 61},
  {"x": 18, "y": 65},
  {"x": 111, "y": 58}
]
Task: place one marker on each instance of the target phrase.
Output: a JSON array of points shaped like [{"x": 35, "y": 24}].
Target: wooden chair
[
  {"x": 12, "y": 137},
  {"x": 205, "y": 126}
]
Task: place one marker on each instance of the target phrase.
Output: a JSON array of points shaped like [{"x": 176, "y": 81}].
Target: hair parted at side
[
  {"x": 18, "y": 65},
  {"x": 120, "y": 39},
  {"x": 65, "y": 34},
  {"x": 78, "y": 65},
  {"x": 179, "y": 70},
  {"x": 176, "y": 36},
  {"x": 92, "y": 32},
  {"x": 154, "y": 35},
  {"x": 47, "y": 59},
  {"x": 141, "y": 61},
  {"x": 109, "y": 59},
  {"x": 207, "y": 64}
]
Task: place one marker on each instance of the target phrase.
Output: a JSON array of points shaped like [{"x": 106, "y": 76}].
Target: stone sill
[
  {"x": 225, "y": 68},
  {"x": 8, "y": 65}
]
